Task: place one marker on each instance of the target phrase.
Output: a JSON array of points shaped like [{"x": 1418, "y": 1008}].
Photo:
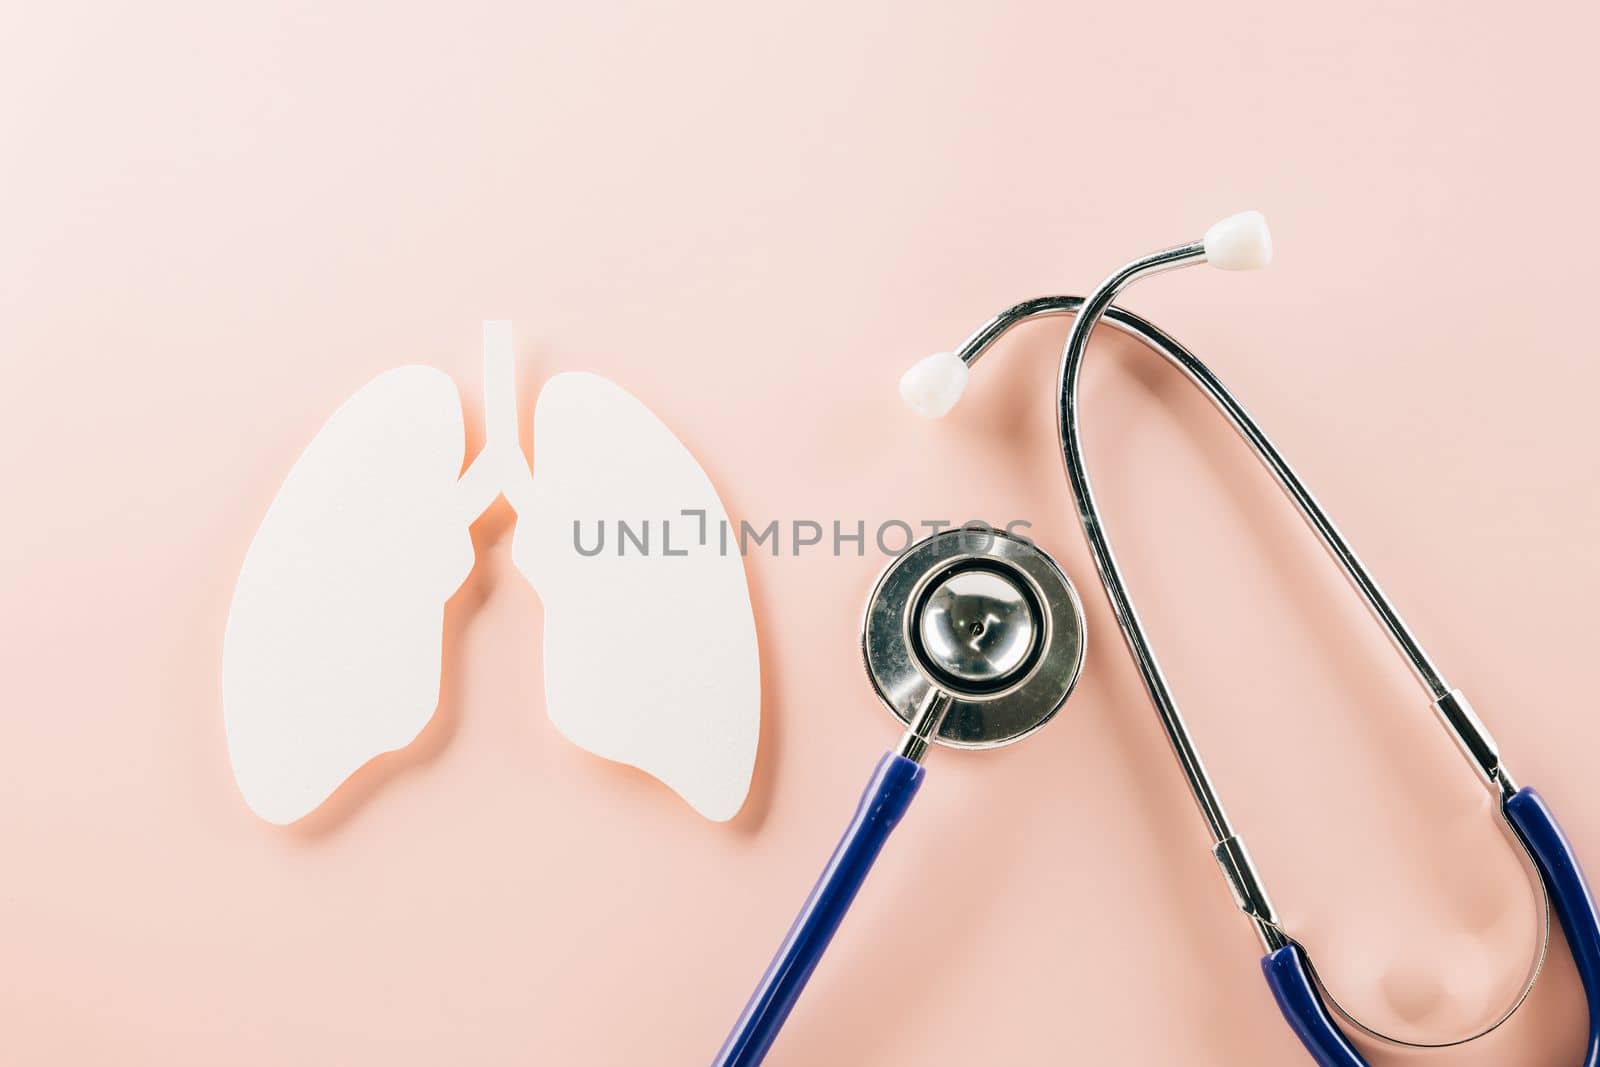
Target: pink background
[{"x": 217, "y": 221}]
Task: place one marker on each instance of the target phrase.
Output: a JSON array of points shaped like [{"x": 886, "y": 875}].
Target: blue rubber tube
[
  {"x": 1570, "y": 895},
  {"x": 1290, "y": 979},
  {"x": 887, "y": 796}
]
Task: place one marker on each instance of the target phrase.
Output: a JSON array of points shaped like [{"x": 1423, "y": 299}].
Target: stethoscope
[
  {"x": 973, "y": 638},
  {"x": 1237, "y": 243}
]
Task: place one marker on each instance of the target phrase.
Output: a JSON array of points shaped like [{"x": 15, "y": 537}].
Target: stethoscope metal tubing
[
  {"x": 1450, "y": 705},
  {"x": 1164, "y": 345}
]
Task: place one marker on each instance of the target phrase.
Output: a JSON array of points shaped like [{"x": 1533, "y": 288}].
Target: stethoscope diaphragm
[{"x": 983, "y": 616}]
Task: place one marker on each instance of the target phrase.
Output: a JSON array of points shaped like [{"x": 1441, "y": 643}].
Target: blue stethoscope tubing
[
  {"x": 888, "y": 794},
  {"x": 1288, "y": 973},
  {"x": 885, "y": 801}
]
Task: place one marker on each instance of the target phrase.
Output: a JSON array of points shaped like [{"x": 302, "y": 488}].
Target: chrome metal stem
[
  {"x": 1239, "y": 871},
  {"x": 924, "y": 724}
]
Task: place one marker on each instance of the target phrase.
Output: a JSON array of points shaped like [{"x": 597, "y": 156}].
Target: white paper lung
[
  {"x": 333, "y": 643},
  {"x": 649, "y": 646},
  {"x": 334, "y": 639}
]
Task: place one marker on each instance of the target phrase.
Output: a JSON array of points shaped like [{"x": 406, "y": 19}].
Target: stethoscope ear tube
[
  {"x": 1289, "y": 976},
  {"x": 885, "y": 800}
]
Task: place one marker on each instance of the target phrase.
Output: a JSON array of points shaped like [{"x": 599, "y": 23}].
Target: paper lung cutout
[
  {"x": 334, "y": 637},
  {"x": 664, "y": 598},
  {"x": 331, "y": 655}
]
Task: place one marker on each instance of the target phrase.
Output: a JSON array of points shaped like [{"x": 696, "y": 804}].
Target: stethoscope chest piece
[{"x": 985, "y": 618}]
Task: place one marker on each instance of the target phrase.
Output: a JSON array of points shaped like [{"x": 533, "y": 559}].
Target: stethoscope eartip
[
  {"x": 1239, "y": 242},
  {"x": 933, "y": 385}
]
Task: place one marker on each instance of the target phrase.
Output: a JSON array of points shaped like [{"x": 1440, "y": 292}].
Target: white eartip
[
  {"x": 1239, "y": 242},
  {"x": 933, "y": 385}
]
